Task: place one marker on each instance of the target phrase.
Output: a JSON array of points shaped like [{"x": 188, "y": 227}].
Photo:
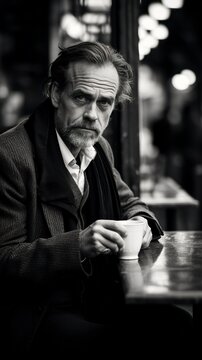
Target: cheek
[
  {"x": 104, "y": 119},
  {"x": 71, "y": 110},
  {"x": 68, "y": 115}
]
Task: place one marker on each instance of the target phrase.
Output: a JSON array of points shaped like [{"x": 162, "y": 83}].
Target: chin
[
  {"x": 87, "y": 143},
  {"x": 82, "y": 142}
]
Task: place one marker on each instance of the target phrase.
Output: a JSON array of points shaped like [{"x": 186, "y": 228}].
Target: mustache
[{"x": 91, "y": 128}]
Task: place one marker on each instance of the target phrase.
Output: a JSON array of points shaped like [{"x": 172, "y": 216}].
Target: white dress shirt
[{"x": 86, "y": 156}]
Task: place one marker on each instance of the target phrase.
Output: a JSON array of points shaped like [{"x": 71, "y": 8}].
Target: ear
[{"x": 55, "y": 95}]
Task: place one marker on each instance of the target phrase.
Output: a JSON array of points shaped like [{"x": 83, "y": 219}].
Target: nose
[{"x": 91, "y": 112}]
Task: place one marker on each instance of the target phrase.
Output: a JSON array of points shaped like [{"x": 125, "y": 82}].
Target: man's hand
[
  {"x": 101, "y": 237},
  {"x": 147, "y": 232}
]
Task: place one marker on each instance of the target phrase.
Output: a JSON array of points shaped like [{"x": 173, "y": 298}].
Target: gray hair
[{"x": 93, "y": 53}]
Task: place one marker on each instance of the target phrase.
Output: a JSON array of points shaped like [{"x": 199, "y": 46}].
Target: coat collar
[{"x": 56, "y": 188}]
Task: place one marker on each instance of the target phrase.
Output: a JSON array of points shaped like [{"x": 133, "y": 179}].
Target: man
[{"x": 59, "y": 197}]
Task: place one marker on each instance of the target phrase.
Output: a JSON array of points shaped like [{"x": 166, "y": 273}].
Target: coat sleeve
[
  {"x": 21, "y": 255},
  {"x": 131, "y": 205}
]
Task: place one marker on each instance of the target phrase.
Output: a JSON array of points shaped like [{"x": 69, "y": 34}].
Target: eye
[
  {"x": 104, "y": 104},
  {"x": 80, "y": 98}
]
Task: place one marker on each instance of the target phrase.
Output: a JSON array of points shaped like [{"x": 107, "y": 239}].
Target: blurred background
[
  {"x": 170, "y": 87},
  {"x": 157, "y": 141}
]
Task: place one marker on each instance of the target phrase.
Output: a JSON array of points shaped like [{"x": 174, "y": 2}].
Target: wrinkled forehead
[{"x": 90, "y": 77}]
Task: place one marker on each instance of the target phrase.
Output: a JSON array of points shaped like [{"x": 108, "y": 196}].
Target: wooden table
[
  {"x": 169, "y": 271},
  {"x": 169, "y": 200}
]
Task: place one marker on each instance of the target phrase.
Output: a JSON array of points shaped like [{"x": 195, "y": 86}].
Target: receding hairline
[
  {"x": 87, "y": 64},
  {"x": 97, "y": 54}
]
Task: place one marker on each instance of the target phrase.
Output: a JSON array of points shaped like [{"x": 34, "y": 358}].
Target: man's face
[{"x": 84, "y": 107}]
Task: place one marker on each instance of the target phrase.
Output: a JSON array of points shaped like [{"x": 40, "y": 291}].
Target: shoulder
[
  {"x": 15, "y": 143},
  {"x": 106, "y": 148},
  {"x": 16, "y": 134}
]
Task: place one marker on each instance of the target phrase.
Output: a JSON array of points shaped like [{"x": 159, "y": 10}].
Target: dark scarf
[{"x": 56, "y": 187}]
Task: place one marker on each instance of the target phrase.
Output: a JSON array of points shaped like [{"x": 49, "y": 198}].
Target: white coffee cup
[{"x": 133, "y": 240}]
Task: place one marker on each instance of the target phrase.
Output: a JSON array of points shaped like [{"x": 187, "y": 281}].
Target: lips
[{"x": 87, "y": 129}]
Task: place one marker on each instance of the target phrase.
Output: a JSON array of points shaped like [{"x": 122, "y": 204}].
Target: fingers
[
  {"x": 101, "y": 244},
  {"x": 112, "y": 225},
  {"x": 110, "y": 237},
  {"x": 105, "y": 236},
  {"x": 147, "y": 237},
  {"x": 106, "y": 251}
]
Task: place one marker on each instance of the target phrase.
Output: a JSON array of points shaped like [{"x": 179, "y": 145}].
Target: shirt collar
[{"x": 86, "y": 155}]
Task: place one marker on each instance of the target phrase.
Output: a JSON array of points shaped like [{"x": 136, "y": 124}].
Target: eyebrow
[
  {"x": 108, "y": 98},
  {"x": 90, "y": 95}
]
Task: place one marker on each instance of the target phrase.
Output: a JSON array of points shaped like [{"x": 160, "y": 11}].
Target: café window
[
  {"x": 83, "y": 20},
  {"x": 170, "y": 106}
]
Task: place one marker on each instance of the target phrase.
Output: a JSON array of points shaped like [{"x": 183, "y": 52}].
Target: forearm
[{"x": 43, "y": 259}]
